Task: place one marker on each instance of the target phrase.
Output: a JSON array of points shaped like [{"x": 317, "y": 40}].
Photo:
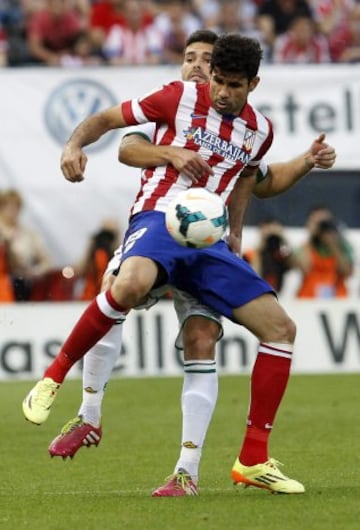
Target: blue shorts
[{"x": 213, "y": 275}]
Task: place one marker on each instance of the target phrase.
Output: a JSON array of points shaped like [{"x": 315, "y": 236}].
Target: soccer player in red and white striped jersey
[
  {"x": 225, "y": 141},
  {"x": 229, "y": 138}
]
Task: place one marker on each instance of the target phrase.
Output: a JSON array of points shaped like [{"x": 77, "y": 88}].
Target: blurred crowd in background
[
  {"x": 75, "y": 33},
  {"x": 324, "y": 260},
  {"x": 27, "y": 269}
]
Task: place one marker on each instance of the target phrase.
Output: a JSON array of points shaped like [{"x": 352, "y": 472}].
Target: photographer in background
[
  {"x": 100, "y": 249},
  {"x": 326, "y": 259},
  {"x": 273, "y": 257}
]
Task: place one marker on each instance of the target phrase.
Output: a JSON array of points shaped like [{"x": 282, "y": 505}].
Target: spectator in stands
[
  {"x": 345, "y": 43},
  {"x": 230, "y": 15},
  {"x": 82, "y": 9},
  {"x": 176, "y": 22},
  {"x": 105, "y": 14},
  {"x": 326, "y": 258},
  {"x": 234, "y": 18},
  {"x": 52, "y": 32},
  {"x": 101, "y": 249},
  {"x": 283, "y": 12},
  {"x": 28, "y": 258},
  {"x": 82, "y": 53},
  {"x": 229, "y": 19},
  {"x": 136, "y": 42},
  {"x": 12, "y": 49},
  {"x": 273, "y": 257},
  {"x": 331, "y": 15},
  {"x": 274, "y": 17},
  {"x": 15, "y": 16},
  {"x": 208, "y": 10},
  {"x": 300, "y": 44}
]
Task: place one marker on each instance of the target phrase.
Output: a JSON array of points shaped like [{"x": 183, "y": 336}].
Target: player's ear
[{"x": 253, "y": 83}]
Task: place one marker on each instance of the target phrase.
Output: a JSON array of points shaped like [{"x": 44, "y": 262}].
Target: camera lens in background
[
  {"x": 327, "y": 225},
  {"x": 273, "y": 243}
]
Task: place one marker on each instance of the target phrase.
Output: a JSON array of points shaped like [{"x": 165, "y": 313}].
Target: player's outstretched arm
[
  {"x": 283, "y": 175},
  {"x": 137, "y": 151},
  {"x": 73, "y": 159}
]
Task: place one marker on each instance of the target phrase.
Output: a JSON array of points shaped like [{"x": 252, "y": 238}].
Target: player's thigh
[
  {"x": 136, "y": 275},
  {"x": 266, "y": 319}
]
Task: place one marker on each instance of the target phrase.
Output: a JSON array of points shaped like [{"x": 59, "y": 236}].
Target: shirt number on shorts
[{"x": 131, "y": 240}]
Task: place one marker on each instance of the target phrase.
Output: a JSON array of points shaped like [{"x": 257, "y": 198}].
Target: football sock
[
  {"x": 268, "y": 383},
  {"x": 199, "y": 395},
  {"x": 98, "y": 365},
  {"x": 94, "y": 323}
]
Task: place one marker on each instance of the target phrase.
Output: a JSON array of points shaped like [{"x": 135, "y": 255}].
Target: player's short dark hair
[
  {"x": 234, "y": 53},
  {"x": 202, "y": 35}
]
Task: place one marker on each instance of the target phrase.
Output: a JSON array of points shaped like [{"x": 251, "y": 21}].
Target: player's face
[
  {"x": 229, "y": 92},
  {"x": 196, "y": 65}
]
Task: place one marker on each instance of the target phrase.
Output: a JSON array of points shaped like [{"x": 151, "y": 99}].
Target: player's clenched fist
[{"x": 73, "y": 162}]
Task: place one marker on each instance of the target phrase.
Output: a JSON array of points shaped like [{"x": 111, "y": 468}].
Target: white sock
[
  {"x": 98, "y": 365},
  {"x": 199, "y": 395}
]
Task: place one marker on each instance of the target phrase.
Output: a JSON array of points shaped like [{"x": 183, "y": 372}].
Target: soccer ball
[{"x": 196, "y": 218}]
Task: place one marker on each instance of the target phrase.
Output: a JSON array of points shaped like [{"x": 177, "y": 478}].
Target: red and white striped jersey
[{"x": 185, "y": 118}]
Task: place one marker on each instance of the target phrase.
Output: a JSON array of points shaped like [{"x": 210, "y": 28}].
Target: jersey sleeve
[
  {"x": 262, "y": 171},
  {"x": 265, "y": 146},
  {"x": 146, "y": 130},
  {"x": 151, "y": 107}
]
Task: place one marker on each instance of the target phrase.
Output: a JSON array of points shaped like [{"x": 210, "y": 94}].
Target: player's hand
[
  {"x": 190, "y": 164},
  {"x": 322, "y": 155},
  {"x": 73, "y": 163}
]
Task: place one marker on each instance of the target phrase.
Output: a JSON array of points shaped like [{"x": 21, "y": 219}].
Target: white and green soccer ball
[{"x": 196, "y": 218}]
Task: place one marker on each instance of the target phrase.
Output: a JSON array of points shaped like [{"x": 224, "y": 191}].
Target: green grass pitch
[{"x": 317, "y": 436}]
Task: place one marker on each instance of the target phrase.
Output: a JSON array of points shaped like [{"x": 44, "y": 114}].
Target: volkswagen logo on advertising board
[{"x": 73, "y": 101}]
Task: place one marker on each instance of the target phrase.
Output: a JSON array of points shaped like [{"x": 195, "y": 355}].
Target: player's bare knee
[
  {"x": 199, "y": 348},
  {"x": 128, "y": 289},
  {"x": 200, "y": 337},
  {"x": 283, "y": 331}
]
